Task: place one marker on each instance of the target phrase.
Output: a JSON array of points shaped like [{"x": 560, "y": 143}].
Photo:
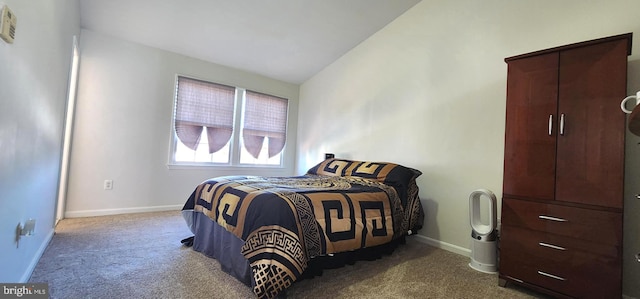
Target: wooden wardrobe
[{"x": 562, "y": 203}]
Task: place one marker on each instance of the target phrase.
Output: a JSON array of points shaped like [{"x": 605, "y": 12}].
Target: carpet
[{"x": 140, "y": 256}]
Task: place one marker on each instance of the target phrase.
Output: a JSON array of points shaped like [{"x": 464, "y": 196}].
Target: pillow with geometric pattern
[{"x": 400, "y": 177}]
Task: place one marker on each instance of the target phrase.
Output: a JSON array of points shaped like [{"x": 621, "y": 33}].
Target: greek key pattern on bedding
[
  {"x": 401, "y": 178},
  {"x": 271, "y": 278},
  {"x": 310, "y": 232},
  {"x": 287, "y": 221},
  {"x": 275, "y": 244}
]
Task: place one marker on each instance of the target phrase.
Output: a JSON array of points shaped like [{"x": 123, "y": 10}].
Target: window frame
[{"x": 235, "y": 143}]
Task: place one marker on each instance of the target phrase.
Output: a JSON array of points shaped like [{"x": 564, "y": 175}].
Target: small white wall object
[
  {"x": 8, "y": 22},
  {"x": 623, "y": 104}
]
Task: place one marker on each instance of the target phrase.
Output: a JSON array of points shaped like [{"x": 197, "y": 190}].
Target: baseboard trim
[
  {"x": 105, "y": 212},
  {"x": 36, "y": 258},
  {"x": 444, "y": 245}
]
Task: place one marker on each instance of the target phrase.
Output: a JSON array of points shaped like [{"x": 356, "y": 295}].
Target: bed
[{"x": 268, "y": 231}]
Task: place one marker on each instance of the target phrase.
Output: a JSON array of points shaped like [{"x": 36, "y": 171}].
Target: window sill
[{"x": 222, "y": 167}]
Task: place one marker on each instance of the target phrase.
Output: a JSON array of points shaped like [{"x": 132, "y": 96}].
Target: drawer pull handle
[
  {"x": 551, "y": 246},
  {"x": 551, "y": 275},
  {"x": 552, "y": 218},
  {"x": 562, "y": 124}
]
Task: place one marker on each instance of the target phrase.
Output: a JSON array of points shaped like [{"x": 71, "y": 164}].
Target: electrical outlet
[
  {"x": 27, "y": 230},
  {"x": 29, "y": 227},
  {"x": 108, "y": 184}
]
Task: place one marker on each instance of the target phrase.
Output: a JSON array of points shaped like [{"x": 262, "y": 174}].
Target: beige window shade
[
  {"x": 264, "y": 116},
  {"x": 202, "y": 105}
]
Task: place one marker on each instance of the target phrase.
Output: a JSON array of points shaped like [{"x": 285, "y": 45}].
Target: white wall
[
  {"x": 34, "y": 72},
  {"x": 123, "y": 127},
  {"x": 428, "y": 91}
]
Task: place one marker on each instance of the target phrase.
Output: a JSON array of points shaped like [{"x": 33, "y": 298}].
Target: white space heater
[{"x": 484, "y": 236}]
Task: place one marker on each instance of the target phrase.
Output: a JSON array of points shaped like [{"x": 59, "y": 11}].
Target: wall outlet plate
[
  {"x": 108, "y": 184},
  {"x": 29, "y": 227},
  {"x": 27, "y": 230}
]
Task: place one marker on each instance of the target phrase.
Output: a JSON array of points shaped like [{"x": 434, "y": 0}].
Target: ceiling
[{"x": 288, "y": 40}]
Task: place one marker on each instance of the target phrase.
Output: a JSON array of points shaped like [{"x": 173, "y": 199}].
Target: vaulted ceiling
[{"x": 288, "y": 40}]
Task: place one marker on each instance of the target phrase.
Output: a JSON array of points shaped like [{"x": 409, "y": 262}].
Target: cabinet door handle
[
  {"x": 550, "y": 124},
  {"x": 543, "y": 244},
  {"x": 552, "y": 218},
  {"x": 562, "y": 124},
  {"x": 551, "y": 276}
]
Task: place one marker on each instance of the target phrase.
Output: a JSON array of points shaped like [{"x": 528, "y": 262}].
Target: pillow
[{"x": 399, "y": 177}]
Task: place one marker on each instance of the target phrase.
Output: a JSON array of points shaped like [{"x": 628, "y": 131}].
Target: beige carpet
[{"x": 140, "y": 256}]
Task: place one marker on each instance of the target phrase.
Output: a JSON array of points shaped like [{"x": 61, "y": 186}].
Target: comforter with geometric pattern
[{"x": 286, "y": 221}]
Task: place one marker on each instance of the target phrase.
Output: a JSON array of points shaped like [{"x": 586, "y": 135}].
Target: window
[{"x": 216, "y": 124}]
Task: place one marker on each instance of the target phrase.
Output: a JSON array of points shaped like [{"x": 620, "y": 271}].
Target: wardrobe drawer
[
  {"x": 568, "y": 270},
  {"x": 559, "y": 249},
  {"x": 591, "y": 225}
]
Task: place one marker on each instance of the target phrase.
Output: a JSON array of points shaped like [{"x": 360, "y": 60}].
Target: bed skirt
[{"x": 214, "y": 241}]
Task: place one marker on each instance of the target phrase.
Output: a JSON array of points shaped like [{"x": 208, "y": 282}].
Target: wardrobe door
[
  {"x": 531, "y": 127},
  {"x": 590, "y": 160}
]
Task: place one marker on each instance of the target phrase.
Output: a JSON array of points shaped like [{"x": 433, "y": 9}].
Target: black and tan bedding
[{"x": 280, "y": 224}]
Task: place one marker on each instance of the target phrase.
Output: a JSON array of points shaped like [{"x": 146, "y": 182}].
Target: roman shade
[
  {"x": 264, "y": 116},
  {"x": 200, "y": 105}
]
